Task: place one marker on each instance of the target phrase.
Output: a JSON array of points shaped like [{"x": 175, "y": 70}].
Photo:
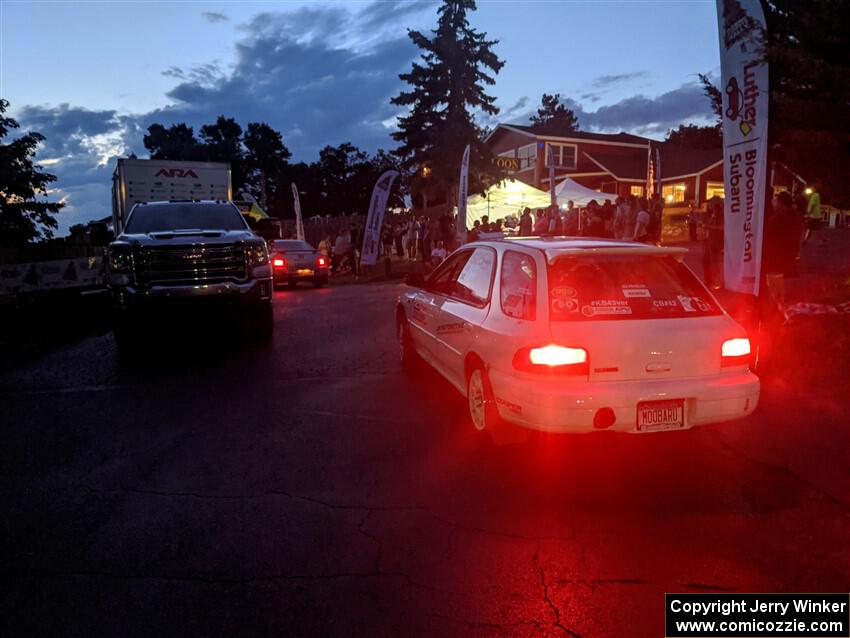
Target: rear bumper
[
  {"x": 570, "y": 406},
  {"x": 284, "y": 275}
]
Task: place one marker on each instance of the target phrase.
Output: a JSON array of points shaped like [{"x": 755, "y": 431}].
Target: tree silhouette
[
  {"x": 447, "y": 85},
  {"x": 553, "y": 116},
  {"x": 24, "y": 215}
]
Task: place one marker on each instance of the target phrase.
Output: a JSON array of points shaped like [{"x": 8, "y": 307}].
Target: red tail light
[
  {"x": 321, "y": 261},
  {"x": 735, "y": 352},
  {"x": 553, "y": 359},
  {"x": 277, "y": 262}
]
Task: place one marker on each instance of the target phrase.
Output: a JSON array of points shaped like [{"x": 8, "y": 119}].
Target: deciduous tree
[{"x": 25, "y": 213}]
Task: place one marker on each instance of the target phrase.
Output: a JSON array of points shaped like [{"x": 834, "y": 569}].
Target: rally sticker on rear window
[
  {"x": 693, "y": 304},
  {"x": 606, "y": 307},
  {"x": 635, "y": 290},
  {"x": 563, "y": 291},
  {"x": 564, "y": 305}
]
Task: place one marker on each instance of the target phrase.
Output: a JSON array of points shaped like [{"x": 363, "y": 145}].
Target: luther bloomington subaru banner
[
  {"x": 375, "y": 219},
  {"x": 743, "y": 75}
]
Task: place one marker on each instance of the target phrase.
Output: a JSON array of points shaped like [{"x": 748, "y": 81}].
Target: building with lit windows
[{"x": 617, "y": 163}]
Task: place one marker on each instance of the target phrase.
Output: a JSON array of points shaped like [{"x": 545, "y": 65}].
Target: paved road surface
[{"x": 310, "y": 488}]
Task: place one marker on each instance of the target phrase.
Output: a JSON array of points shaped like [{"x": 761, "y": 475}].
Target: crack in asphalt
[
  {"x": 515, "y": 536},
  {"x": 787, "y": 470},
  {"x": 242, "y": 497},
  {"x": 375, "y": 539},
  {"x": 552, "y": 606}
]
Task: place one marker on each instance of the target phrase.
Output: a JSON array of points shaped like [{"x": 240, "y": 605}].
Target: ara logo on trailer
[{"x": 176, "y": 172}]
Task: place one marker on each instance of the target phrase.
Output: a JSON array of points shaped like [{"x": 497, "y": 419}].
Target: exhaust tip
[{"x": 604, "y": 418}]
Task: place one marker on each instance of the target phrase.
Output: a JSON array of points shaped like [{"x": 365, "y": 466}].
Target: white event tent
[
  {"x": 506, "y": 198},
  {"x": 569, "y": 190}
]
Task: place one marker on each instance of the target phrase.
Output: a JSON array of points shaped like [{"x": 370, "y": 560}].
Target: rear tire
[
  {"x": 484, "y": 414},
  {"x": 319, "y": 282}
]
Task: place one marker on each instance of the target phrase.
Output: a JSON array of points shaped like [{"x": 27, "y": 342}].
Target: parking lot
[{"x": 312, "y": 488}]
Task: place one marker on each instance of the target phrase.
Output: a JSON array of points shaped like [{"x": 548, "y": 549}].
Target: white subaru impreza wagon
[{"x": 578, "y": 335}]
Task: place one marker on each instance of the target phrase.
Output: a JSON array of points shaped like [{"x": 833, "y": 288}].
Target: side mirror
[{"x": 415, "y": 280}]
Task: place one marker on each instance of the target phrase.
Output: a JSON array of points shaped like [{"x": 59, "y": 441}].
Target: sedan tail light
[
  {"x": 278, "y": 262},
  {"x": 553, "y": 359},
  {"x": 735, "y": 352},
  {"x": 321, "y": 262}
]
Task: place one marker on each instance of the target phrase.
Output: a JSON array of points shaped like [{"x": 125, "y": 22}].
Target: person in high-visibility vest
[{"x": 814, "y": 214}]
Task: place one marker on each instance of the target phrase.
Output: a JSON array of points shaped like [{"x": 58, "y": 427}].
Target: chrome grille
[{"x": 188, "y": 265}]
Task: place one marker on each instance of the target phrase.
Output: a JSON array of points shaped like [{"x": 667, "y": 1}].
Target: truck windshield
[
  {"x": 612, "y": 287},
  {"x": 152, "y": 218}
]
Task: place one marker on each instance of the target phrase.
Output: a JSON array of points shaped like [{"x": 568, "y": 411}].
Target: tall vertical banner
[
  {"x": 462, "y": 193},
  {"x": 743, "y": 74},
  {"x": 553, "y": 197},
  {"x": 299, "y": 220},
  {"x": 375, "y": 218}
]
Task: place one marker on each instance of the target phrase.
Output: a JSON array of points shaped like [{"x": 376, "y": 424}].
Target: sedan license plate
[
  {"x": 305, "y": 271},
  {"x": 660, "y": 415}
]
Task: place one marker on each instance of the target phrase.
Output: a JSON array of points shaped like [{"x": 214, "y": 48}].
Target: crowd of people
[{"x": 627, "y": 218}]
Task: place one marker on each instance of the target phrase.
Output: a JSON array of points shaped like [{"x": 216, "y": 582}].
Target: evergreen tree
[
  {"x": 23, "y": 216},
  {"x": 810, "y": 90},
  {"x": 447, "y": 86},
  {"x": 554, "y": 117}
]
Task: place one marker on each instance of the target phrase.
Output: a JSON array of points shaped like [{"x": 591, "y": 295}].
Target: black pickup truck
[{"x": 188, "y": 253}]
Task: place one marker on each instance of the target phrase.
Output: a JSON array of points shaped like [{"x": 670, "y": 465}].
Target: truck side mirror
[{"x": 415, "y": 280}]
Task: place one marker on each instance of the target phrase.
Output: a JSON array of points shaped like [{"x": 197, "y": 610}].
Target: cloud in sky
[
  {"x": 319, "y": 74},
  {"x": 214, "y": 16},
  {"x": 638, "y": 114},
  {"x": 604, "y": 81}
]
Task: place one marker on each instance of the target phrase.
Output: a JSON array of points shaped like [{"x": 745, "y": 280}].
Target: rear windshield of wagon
[{"x": 617, "y": 287}]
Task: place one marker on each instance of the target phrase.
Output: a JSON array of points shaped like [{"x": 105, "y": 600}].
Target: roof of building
[
  {"x": 623, "y": 138},
  {"x": 677, "y": 161},
  {"x": 631, "y": 166}
]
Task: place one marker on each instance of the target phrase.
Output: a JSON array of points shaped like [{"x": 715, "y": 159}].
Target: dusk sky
[{"x": 91, "y": 76}]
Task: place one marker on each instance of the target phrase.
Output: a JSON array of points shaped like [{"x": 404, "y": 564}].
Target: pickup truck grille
[{"x": 187, "y": 265}]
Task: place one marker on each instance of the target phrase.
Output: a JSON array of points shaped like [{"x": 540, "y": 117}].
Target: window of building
[
  {"x": 637, "y": 191},
  {"x": 713, "y": 189},
  {"x": 673, "y": 193},
  {"x": 527, "y": 156},
  {"x": 564, "y": 155},
  {"x": 518, "y": 285}
]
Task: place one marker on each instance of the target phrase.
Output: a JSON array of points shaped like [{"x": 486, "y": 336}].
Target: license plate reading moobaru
[{"x": 660, "y": 415}]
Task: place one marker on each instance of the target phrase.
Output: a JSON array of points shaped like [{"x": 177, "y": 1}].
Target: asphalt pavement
[{"x": 310, "y": 488}]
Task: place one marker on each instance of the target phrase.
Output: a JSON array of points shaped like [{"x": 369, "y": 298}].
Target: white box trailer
[{"x": 151, "y": 180}]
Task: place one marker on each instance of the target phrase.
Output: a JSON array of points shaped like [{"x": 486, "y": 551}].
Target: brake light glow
[
  {"x": 552, "y": 359},
  {"x": 321, "y": 261},
  {"x": 557, "y": 356},
  {"x": 735, "y": 352},
  {"x": 278, "y": 263}
]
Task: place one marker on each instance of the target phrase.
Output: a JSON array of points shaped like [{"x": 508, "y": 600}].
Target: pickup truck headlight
[
  {"x": 120, "y": 259},
  {"x": 257, "y": 254}
]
